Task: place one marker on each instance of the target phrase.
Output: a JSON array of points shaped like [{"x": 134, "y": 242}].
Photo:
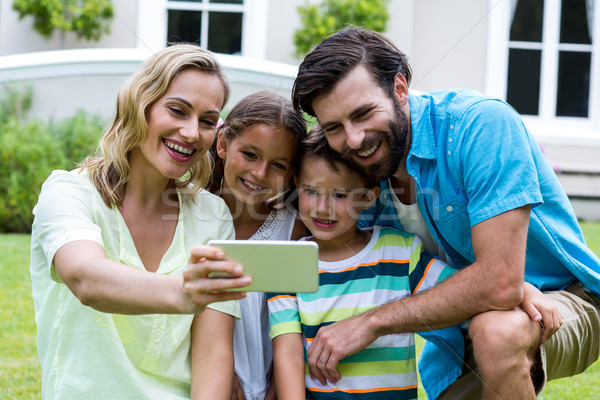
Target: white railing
[{"x": 66, "y": 80}]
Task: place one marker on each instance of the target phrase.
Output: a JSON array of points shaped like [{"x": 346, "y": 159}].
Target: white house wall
[
  {"x": 17, "y": 36},
  {"x": 445, "y": 41},
  {"x": 449, "y": 44},
  {"x": 282, "y": 20}
]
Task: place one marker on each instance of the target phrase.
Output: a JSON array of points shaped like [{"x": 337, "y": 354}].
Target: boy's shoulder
[{"x": 391, "y": 236}]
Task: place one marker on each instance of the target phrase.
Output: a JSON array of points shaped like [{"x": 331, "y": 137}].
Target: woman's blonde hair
[{"x": 110, "y": 170}]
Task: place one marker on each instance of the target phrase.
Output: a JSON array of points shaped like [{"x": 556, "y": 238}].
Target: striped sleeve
[
  {"x": 426, "y": 271},
  {"x": 284, "y": 316}
]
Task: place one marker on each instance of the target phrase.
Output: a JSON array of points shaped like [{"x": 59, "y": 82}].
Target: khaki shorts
[{"x": 573, "y": 348}]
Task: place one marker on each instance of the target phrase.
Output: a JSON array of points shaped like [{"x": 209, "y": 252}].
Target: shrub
[
  {"x": 79, "y": 136},
  {"x": 31, "y": 149},
  {"x": 323, "y": 19},
  {"x": 87, "y": 19},
  {"x": 15, "y": 102},
  {"x": 28, "y": 153}
]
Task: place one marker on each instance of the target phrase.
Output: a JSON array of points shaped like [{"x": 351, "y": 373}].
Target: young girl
[
  {"x": 119, "y": 237},
  {"x": 256, "y": 154}
]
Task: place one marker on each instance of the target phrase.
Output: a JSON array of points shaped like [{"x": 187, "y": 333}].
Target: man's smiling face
[{"x": 363, "y": 123}]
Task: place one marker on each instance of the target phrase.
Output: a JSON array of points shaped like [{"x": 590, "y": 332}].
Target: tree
[
  {"x": 323, "y": 19},
  {"x": 87, "y": 19}
]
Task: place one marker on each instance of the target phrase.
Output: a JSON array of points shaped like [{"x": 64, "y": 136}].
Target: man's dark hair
[{"x": 335, "y": 57}]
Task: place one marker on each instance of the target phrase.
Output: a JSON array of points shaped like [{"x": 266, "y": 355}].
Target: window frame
[
  {"x": 152, "y": 17},
  {"x": 546, "y": 123}
]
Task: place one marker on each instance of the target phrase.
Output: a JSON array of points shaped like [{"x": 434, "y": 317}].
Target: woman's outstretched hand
[{"x": 199, "y": 289}]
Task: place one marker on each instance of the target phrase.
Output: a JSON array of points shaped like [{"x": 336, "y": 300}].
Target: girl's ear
[
  {"x": 372, "y": 195},
  {"x": 222, "y": 145}
]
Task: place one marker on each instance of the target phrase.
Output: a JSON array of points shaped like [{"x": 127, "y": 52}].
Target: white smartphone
[{"x": 274, "y": 265}]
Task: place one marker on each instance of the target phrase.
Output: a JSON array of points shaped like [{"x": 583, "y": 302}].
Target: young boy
[{"x": 358, "y": 270}]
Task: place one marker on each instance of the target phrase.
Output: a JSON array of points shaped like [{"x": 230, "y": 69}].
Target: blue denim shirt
[{"x": 472, "y": 158}]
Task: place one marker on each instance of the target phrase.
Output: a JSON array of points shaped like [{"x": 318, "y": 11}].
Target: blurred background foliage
[
  {"x": 318, "y": 21},
  {"x": 30, "y": 149}
]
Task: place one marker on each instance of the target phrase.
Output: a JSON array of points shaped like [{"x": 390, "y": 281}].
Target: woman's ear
[{"x": 222, "y": 145}]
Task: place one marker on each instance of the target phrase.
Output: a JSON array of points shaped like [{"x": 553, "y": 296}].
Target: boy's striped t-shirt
[{"x": 391, "y": 266}]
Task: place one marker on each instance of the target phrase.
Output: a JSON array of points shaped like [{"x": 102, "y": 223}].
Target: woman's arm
[
  {"x": 212, "y": 355},
  {"x": 288, "y": 366},
  {"x": 110, "y": 286}
]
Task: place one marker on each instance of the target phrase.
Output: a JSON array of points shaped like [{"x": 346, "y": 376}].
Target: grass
[{"x": 20, "y": 373}]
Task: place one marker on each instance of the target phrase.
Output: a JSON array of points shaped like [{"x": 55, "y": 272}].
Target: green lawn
[{"x": 20, "y": 374}]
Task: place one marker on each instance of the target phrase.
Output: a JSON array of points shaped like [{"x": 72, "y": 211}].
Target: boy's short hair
[{"x": 316, "y": 145}]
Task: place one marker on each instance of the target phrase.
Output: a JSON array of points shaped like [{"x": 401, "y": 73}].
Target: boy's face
[{"x": 330, "y": 201}]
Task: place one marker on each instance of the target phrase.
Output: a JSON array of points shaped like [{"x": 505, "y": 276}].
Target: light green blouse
[{"x": 87, "y": 354}]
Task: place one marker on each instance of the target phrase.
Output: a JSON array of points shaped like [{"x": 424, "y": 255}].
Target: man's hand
[{"x": 335, "y": 342}]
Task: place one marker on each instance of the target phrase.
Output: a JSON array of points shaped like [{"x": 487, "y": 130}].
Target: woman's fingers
[{"x": 208, "y": 277}]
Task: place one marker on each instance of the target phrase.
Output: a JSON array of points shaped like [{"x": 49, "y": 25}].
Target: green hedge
[{"x": 30, "y": 149}]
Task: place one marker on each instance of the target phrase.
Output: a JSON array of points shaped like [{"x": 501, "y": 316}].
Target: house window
[
  {"x": 213, "y": 24},
  {"x": 551, "y": 57}
]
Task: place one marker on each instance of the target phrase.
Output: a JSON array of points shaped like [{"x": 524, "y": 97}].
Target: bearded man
[{"x": 460, "y": 170}]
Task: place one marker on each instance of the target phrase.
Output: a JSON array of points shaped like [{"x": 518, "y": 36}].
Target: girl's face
[
  {"x": 330, "y": 201},
  {"x": 258, "y": 162},
  {"x": 181, "y": 124}
]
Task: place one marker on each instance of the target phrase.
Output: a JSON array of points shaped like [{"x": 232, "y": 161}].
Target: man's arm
[{"x": 493, "y": 282}]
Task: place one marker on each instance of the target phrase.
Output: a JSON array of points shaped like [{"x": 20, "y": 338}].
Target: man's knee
[{"x": 498, "y": 334}]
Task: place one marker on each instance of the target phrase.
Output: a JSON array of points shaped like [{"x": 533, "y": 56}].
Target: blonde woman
[{"x": 118, "y": 264}]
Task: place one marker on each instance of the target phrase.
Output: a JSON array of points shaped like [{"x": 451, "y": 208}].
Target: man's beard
[{"x": 394, "y": 139}]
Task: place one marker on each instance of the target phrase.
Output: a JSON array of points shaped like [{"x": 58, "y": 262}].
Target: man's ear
[
  {"x": 372, "y": 194},
  {"x": 401, "y": 88},
  {"x": 222, "y": 145}
]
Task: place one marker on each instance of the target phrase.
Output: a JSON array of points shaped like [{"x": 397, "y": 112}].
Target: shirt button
[
  {"x": 450, "y": 139},
  {"x": 449, "y": 208},
  {"x": 451, "y": 126},
  {"x": 448, "y": 153}
]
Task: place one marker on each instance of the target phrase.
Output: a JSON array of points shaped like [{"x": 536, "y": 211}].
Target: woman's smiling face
[{"x": 181, "y": 124}]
